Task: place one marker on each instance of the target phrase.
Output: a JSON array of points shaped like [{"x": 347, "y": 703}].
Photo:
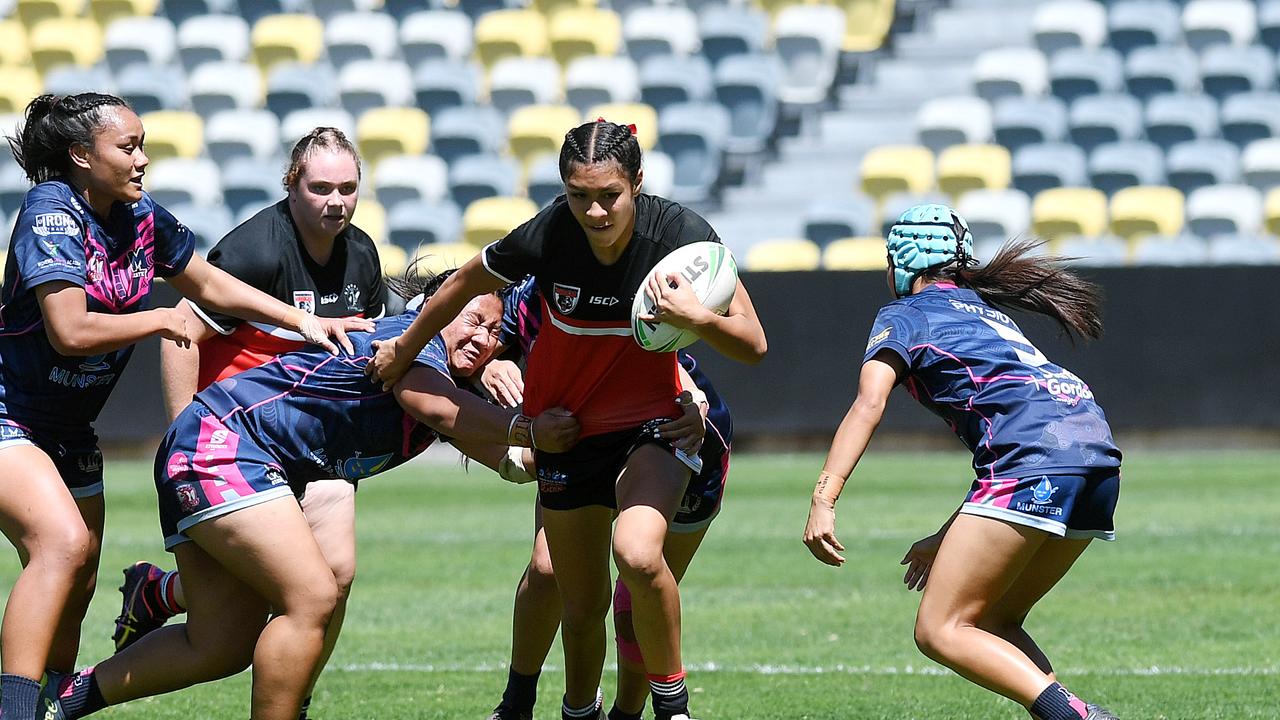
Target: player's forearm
[
  {"x": 737, "y": 337},
  {"x": 215, "y": 289},
  {"x": 98, "y": 333},
  {"x": 847, "y": 448},
  {"x": 179, "y": 375}
]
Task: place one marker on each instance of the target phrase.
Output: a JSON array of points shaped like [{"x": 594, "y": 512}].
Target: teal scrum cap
[{"x": 926, "y": 237}]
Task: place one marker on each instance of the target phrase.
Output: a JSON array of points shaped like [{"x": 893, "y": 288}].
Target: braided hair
[
  {"x": 597, "y": 142},
  {"x": 53, "y": 123}
]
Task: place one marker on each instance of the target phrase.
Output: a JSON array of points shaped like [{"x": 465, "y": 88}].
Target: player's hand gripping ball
[{"x": 708, "y": 269}]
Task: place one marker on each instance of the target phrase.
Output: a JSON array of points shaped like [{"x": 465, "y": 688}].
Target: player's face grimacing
[
  {"x": 602, "y": 199},
  {"x": 325, "y": 196},
  {"x": 471, "y": 339},
  {"x": 115, "y": 164}
]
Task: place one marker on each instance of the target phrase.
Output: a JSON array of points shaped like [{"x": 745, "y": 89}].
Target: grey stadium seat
[
  {"x": 518, "y": 81},
  {"x": 1172, "y": 119},
  {"x": 468, "y": 130},
  {"x": 692, "y": 135},
  {"x": 832, "y": 218},
  {"x": 248, "y": 184},
  {"x": 242, "y": 133},
  {"x": 440, "y": 84},
  {"x": 436, "y": 35},
  {"x": 411, "y": 178},
  {"x": 1019, "y": 121},
  {"x": 1224, "y": 210},
  {"x": 475, "y": 177},
  {"x": 149, "y": 88},
  {"x": 1096, "y": 119},
  {"x": 1159, "y": 69},
  {"x": 1198, "y": 163},
  {"x": 1076, "y": 72},
  {"x": 1227, "y": 70},
  {"x": 139, "y": 41},
  {"x": 1250, "y": 116},
  {"x": 367, "y": 84},
  {"x": 996, "y": 214},
  {"x": 1069, "y": 23},
  {"x": 670, "y": 79},
  {"x": 211, "y": 38},
  {"x": 413, "y": 223},
  {"x": 1117, "y": 165},
  {"x": 1261, "y": 163},
  {"x": 218, "y": 86},
  {"x": 292, "y": 86},
  {"x": 1135, "y": 23},
  {"x": 728, "y": 30},
  {"x": 1048, "y": 165},
  {"x": 747, "y": 86},
  {"x": 360, "y": 36},
  {"x": 595, "y": 80}
]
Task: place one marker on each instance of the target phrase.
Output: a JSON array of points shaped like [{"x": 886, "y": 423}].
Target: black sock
[
  {"x": 588, "y": 712},
  {"x": 1056, "y": 703},
  {"x": 79, "y": 694},
  {"x": 522, "y": 691},
  {"x": 159, "y": 596},
  {"x": 616, "y": 714},
  {"x": 306, "y": 705},
  {"x": 670, "y": 697},
  {"x": 18, "y": 696}
]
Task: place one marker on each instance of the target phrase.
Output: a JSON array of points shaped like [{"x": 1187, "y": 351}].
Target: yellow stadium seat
[
  {"x": 550, "y": 8},
  {"x": 855, "y": 253},
  {"x": 897, "y": 168},
  {"x": 866, "y": 24},
  {"x": 796, "y": 254},
  {"x": 13, "y": 43},
  {"x": 371, "y": 217},
  {"x": 1069, "y": 211},
  {"x": 1146, "y": 210},
  {"x": 1271, "y": 211},
  {"x": 394, "y": 259},
  {"x": 538, "y": 130},
  {"x": 492, "y": 218},
  {"x": 287, "y": 38},
  {"x": 643, "y": 116},
  {"x": 32, "y": 12},
  {"x": 173, "y": 133},
  {"x": 962, "y": 168},
  {"x": 504, "y": 33},
  {"x": 65, "y": 41},
  {"x": 438, "y": 257},
  {"x": 104, "y": 11},
  {"x": 383, "y": 132},
  {"x": 575, "y": 32},
  {"x": 21, "y": 84}
]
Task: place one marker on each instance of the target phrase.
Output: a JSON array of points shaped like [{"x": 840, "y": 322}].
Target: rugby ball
[{"x": 709, "y": 268}]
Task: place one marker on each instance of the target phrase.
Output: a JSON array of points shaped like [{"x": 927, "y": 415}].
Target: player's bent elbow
[{"x": 70, "y": 343}]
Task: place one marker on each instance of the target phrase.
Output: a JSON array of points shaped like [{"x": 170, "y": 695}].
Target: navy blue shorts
[
  {"x": 587, "y": 474},
  {"x": 206, "y": 468},
  {"x": 1071, "y": 506},
  {"x": 701, "y": 502},
  {"x": 74, "y": 452}
]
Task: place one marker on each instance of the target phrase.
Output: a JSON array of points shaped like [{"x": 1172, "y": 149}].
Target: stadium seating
[
  {"x": 1224, "y": 210},
  {"x": 14, "y": 50},
  {"x": 439, "y": 84},
  {"x": 1261, "y": 163},
  {"x": 1048, "y": 165},
  {"x": 476, "y": 177},
  {"x": 219, "y": 86},
  {"x": 1077, "y": 72},
  {"x": 1198, "y": 163},
  {"x": 692, "y": 135},
  {"x": 438, "y": 257},
  {"x": 367, "y": 84},
  {"x": 292, "y": 87},
  {"x": 185, "y": 181},
  {"x": 1175, "y": 250},
  {"x": 300, "y": 122},
  {"x": 583, "y": 31},
  {"x": 417, "y": 222},
  {"x": 996, "y": 214},
  {"x": 360, "y": 36},
  {"x": 867, "y": 22},
  {"x": 21, "y": 85},
  {"x": 671, "y": 79},
  {"x": 1146, "y": 210},
  {"x": 13, "y": 188},
  {"x": 492, "y": 218},
  {"x": 538, "y": 130},
  {"x": 1069, "y": 23},
  {"x": 1135, "y": 23},
  {"x": 371, "y": 217},
  {"x": 543, "y": 183},
  {"x": 72, "y": 79},
  {"x": 659, "y": 31},
  {"x": 286, "y": 38},
  {"x": 595, "y": 80},
  {"x": 1117, "y": 165},
  {"x": 962, "y": 168},
  {"x": 1158, "y": 69},
  {"x": 139, "y": 40},
  {"x": 1001, "y": 72},
  {"x": 385, "y": 131},
  {"x": 642, "y": 116},
  {"x": 946, "y": 121},
  {"x": 1096, "y": 251},
  {"x": 1059, "y": 212},
  {"x": 659, "y": 173},
  {"x": 829, "y": 219},
  {"x": 1269, "y": 23},
  {"x": 1226, "y": 70},
  {"x": 807, "y": 39},
  {"x": 105, "y": 12},
  {"x": 209, "y": 223},
  {"x": 410, "y": 178},
  {"x": 1243, "y": 250},
  {"x": 436, "y": 35},
  {"x": 212, "y": 38},
  {"x": 854, "y": 253},
  {"x": 893, "y": 205},
  {"x": 179, "y": 11},
  {"x": 506, "y": 33},
  {"x": 1098, "y": 119},
  {"x": 249, "y": 185},
  {"x": 747, "y": 86},
  {"x": 775, "y": 255},
  {"x": 1171, "y": 119},
  {"x": 1019, "y": 121},
  {"x": 148, "y": 89},
  {"x": 1250, "y": 116},
  {"x": 728, "y": 30},
  {"x": 241, "y": 133},
  {"x": 1219, "y": 22},
  {"x": 890, "y": 169},
  {"x": 63, "y": 41},
  {"x": 518, "y": 81},
  {"x": 173, "y": 133},
  {"x": 467, "y": 130},
  {"x": 32, "y": 12}
]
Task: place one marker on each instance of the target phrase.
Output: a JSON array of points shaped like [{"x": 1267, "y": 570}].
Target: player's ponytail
[
  {"x": 1020, "y": 277},
  {"x": 597, "y": 142},
  {"x": 52, "y": 124}
]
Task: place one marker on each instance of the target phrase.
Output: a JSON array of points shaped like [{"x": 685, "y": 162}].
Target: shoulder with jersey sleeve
[
  {"x": 174, "y": 242},
  {"x": 898, "y": 327},
  {"x": 435, "y": 356},
  {"x": 49, "y": 235},
  {"x": 254, "y": 250},
  {"x": 520, "y": 252},
  {"x": 671, "y": 224}
]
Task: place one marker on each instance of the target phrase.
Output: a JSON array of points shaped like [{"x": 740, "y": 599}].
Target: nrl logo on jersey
[
  {"x": 305, "y": 300},
  {"x": 566, "y": 297}
]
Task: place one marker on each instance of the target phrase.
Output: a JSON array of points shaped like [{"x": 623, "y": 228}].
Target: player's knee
[
  {"x": 639, "y": 564},
  {"x": 586, "y": 610},
  {"x": 540, "y": 570},
  {"x": 69, "y": 552},
  {"x": 344, "y": 574},
  {"x": 315, "y": 603}
]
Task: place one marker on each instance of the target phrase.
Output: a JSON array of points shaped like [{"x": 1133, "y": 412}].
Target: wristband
[
  {"x": 826, "y": 480},
  {"x": 520, "y": 431}
]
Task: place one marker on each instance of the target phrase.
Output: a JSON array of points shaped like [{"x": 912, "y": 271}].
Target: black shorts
[
  {"x": 588, "y": 474},
  {"x": 74, "y": 452}
]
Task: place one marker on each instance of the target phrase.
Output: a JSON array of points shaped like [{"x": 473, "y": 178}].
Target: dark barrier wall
[{"x": 1185, "y": 348}]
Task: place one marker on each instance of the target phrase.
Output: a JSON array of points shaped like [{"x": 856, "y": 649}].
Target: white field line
[{"x": 875, "y": 670}]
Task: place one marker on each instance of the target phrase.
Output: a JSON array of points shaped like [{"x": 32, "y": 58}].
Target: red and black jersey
[
  {"x": 585, "y": 359},
  {"x": 266, "y": 252}
]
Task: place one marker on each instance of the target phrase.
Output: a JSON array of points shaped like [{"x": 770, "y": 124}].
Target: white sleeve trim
[
  {"x": 208, "y": 320},
  {"x": 484, "y": 259}
]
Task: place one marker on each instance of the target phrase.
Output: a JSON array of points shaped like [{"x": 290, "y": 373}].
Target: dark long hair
[
  {"x": 418, "y": 280},
  {"x": 1022, "y": 278},
  {"x": 53, "y": 123},
  {"x": 600, "y": 141}
]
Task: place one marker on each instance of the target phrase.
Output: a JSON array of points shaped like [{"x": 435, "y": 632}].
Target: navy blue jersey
[
  {"x": 58, "y": 238},
  {"x": 319, "y": 416},
  {"x": 522, "y": 319},
  {"x": 1015, "y": 410}
]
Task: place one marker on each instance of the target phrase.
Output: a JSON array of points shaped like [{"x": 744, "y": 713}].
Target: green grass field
[{"x": 1177, "y": 619}]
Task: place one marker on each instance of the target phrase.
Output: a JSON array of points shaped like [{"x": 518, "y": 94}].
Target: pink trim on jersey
[
  {"x": 996, "y": 493},
  {"x": 305, "y": 374},
  {"x": 1079, "y": 706},
  {"x": 944, "y": 285},
  {"x": 976, "y": 382},
  {"x": 215, "y": 463}
]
